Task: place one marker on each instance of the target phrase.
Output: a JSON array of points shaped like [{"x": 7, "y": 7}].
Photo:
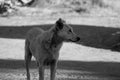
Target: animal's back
[{"x": 33, "y": 33}]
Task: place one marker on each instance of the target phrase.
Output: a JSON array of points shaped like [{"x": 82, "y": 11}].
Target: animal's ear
[{"x": 59, "y": 23}]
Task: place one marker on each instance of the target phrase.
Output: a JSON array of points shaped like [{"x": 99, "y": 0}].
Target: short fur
[{"x": 45, "y": 46}]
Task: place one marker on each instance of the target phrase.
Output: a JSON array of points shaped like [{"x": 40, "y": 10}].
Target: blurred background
[{"x": 96, "y": 12}]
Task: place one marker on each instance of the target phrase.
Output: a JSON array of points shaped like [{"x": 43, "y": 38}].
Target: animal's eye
[{"x": 70, "y": 31}]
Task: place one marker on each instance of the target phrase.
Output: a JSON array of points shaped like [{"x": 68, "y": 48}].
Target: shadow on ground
[
  {"x": 106, "y": 70},
  {"x": 94, "y": 36}
]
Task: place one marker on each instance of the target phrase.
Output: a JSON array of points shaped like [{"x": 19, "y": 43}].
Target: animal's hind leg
[
  {"x": 27, "y": 63},
  {"x": 28, "y": 57}
]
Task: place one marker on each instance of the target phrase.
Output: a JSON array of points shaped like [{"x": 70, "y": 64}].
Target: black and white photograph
[{"x": 59, "y": 39}]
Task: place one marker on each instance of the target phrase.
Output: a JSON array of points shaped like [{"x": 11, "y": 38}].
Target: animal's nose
[{"x": 78, "y": 38}]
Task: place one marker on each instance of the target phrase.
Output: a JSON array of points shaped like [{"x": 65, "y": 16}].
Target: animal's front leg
[
  {"x": 41, "y": 72},
  {"x": 53, "y": 67}
]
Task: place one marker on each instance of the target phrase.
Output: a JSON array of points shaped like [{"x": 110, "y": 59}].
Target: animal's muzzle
[{"x": 76, "y": 39}]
